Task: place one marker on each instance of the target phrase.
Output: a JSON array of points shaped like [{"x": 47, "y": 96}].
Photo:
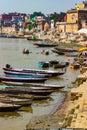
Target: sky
[{"x": 30, "y": 6}]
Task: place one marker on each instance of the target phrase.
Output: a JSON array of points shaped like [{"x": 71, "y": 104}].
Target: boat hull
[
  {"x": 14, "y": 79},
  {"x": 8, "y": 107},
  {"x": 49, "y": 72}
]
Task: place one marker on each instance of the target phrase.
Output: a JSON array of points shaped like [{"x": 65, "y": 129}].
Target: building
[
  {"x": 5, "y": 17},
  {"x": 76, "y": 19}
]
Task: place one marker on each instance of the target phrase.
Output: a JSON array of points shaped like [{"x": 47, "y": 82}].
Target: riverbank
[{"x": 72, "y": 113}]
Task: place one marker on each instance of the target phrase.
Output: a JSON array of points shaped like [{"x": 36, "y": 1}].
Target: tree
[
  {"x": 57, "y": 17},
  {"x": 36, "y": 14}
]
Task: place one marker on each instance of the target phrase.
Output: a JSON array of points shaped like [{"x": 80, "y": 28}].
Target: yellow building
[
  {"x": 76, "y": 19},
  {"x": 79, "y": 6}
]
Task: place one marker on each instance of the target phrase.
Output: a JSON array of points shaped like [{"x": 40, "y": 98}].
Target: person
[{"x": 8, "y": 66}]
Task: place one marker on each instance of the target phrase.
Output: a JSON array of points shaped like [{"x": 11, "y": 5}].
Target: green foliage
[
  {"x": 32, "y": 25},
  {"x": 36, "y": 14},
  {"x": 55, "y": 16}
]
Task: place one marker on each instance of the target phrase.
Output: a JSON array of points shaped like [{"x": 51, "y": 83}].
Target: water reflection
[
  {"x": 26, "y": 109},
  {"x": 9, "y": 114}
]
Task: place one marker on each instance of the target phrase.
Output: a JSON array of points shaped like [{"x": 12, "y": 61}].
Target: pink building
[{"x": 5, "y": 17}]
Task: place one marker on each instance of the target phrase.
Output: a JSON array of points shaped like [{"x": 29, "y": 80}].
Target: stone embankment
[
  {"x": 71, "y": 114},
  {"x": 77, "y": 108}
]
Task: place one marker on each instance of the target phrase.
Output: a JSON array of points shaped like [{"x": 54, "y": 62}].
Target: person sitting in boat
[
  {"x": 25, "y": 51},
  {"x": 8, "y": 66},
  {"x": 43, "y": 51},
  {"x": 47, "y": 52}
]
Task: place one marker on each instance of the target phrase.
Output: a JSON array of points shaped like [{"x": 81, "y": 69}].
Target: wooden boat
[
  {"x": 23, "y": 90},
  {"x": 66, "y": 49},
  {"x": 45, "y": 44},
  {"x": 73, "y": 54},
  {"x": 49, "y": 72},
  {"x": 27, "y": 96},
  {"x": 75, "y": 65},
  {"x": 31, "y": 75},
  {"x": 31, "y": 39},
  {"x": 43, "y": 64},
  {"x": 4, "y": 107},
  {"x": 16, "y": 101},
  {"x": 60, "y": 65},
  {"x": 58, "y": 52},
  {"x": 34, "y": 85},
  {"x": 53, "y": 62},
  {"x": 20, "y": 79}
]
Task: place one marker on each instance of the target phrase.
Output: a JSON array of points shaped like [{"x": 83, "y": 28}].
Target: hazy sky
[{"x": 30, "y": 6}]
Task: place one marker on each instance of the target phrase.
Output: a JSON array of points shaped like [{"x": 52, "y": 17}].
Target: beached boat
[
  {"x": 23, "y": 70},
  {"x": 21, "y": 79},
  {"x": 23, "y": 90},
  {"x": 34, "y": 85},
  {"x": 16, "y": 101},
  {"x": 31, "y": 75},
  {"x": 4, "y": 107},
  {"x": 28, "y": 96}
]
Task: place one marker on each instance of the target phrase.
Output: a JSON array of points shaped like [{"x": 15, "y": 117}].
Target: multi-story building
[{"x": 76, "y": 19}]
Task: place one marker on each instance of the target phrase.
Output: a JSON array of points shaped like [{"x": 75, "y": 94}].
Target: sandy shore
[{"x": 72, "y": 113}]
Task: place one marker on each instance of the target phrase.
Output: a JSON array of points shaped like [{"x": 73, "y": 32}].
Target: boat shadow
[
  {"x": 10, "y": 114},
  {"x": 26, "y": 109}
]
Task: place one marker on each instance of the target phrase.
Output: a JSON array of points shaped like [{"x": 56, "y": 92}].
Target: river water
[{"x": 11, "y": 53}]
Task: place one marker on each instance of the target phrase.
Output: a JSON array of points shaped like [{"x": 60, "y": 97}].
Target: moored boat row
[{"x": 18, "y": 85}]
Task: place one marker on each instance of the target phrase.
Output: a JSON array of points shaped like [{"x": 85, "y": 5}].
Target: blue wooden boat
[
  {"x": 43, "y": 64},
  {"x": 23, "y": 70},
  {"x": 26, "y": 75},
  {"x": 21, "y": 79}
]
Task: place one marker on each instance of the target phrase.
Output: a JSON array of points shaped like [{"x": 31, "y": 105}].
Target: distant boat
[
  {"x": 66, "y": 49},
  {"x": 60, "y": 65},
  {"x": 45, "y": 44},
  {"x": 58, "y": 52},
  {"x": 73, "y": 54},
  {"x": 36, "y": 39},
  {"x": 43, "y": 64},
  {"x": 75, "y": 65}
]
